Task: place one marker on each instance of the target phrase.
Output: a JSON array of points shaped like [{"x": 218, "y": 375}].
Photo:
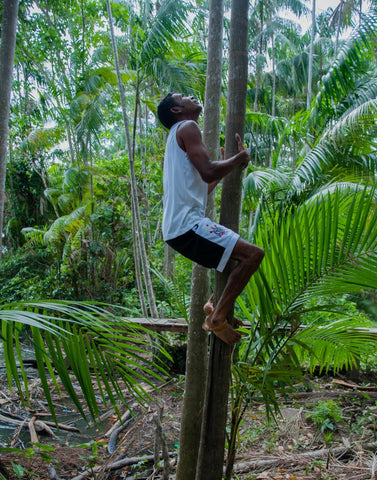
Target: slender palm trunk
[
  {"x": 273, "y": 96},
  {"x": 273, "y": 99},
  {"x": 139, "y": 282},
  {"x": 197, "y": 348},
  {"x": 311, "y": 54},
  {"x": 338, "y": 27},
  {"x": 7, "y": 49},
  {"x": 310, "y": 67},
  {"x": 211, "y": 455},
  {"x": 137, "y": 225},
  {"x": 360, "y": 11}
]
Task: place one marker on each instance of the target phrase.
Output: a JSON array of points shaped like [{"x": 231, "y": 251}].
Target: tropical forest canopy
[{"x": 310, "y": 127}]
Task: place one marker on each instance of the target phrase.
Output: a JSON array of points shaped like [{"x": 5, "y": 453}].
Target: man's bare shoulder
[
  {"x": 189, "y": 126},
  {"x": 189, "y": 131}
]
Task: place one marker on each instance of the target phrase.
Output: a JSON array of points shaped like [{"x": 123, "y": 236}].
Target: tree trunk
[
  {"x": 211, "y": 455},
  {"x": 8, "y": 44},
  {"x": 273, "y": 99},
  {"x": 197, "y": 348},
  {"x": 338, "y": 27},
  {"x": 196, "y": 368},
  {"x": 311, "y": 53},
  {"x": 310, "y": 68},
  {"x": 137, "y": 225}
]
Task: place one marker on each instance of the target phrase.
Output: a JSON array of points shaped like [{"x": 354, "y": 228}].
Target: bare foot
[
  {"x": 222, "y": 330},
  {"x": 209, "y": 308}
]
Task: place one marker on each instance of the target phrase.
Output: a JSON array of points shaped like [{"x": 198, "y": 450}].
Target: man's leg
[{"x": 249, "y": 258}]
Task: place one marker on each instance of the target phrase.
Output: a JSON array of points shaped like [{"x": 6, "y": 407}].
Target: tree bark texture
[
  {"x": 197, "y": 348},
  {"x": 7, "y": 49},
  {"x": 195, "y": 380},
  {"x": 211, "y": 455}
]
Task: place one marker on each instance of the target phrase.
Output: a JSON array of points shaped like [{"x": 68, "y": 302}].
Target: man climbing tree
[
  {"x": 211, "y": 452},
  {"x": 197, "y": 340},
  {"x": 188, "y": 177}
]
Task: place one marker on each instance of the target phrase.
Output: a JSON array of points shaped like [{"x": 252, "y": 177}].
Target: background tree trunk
[
  {"x": 137, "y": 225},
  {"x": 197, "y": 348},
  {"x": 7, "y": 48},
  {"x": 211, "y": 455},
  {"x": 311, "y": 55}
]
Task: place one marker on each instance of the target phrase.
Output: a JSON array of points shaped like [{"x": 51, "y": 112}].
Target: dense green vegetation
[
  {"x": 68, "y": 226},
  {"x": 309, "y": 192}
]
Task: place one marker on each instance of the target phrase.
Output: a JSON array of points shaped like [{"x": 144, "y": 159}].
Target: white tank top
[{"x": 185, "y": 193}]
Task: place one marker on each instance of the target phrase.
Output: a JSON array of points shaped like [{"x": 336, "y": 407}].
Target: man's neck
[{"x": 195, "y": 118}]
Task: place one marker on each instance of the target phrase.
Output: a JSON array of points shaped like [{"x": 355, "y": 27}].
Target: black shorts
[{"x": 207, "y": 243}]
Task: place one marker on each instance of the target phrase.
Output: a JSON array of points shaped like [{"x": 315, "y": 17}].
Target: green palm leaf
[
  {"x": 353, "y": 60},
  {"x": 346, "y": 142},
  {"x": 324, "y": 247},
  {"x": 104, "y": 351},
  {"x": 168, "y": 24},
  {"x": 338, "y": 345}
]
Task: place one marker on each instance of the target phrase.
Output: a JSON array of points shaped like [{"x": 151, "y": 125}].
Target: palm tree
[
  {"x": 311, "y": 60},
  {"x": 138, "y": 243},
  {"x": 350, "y": 79},
  {"x": 316, "y": 224},
  {"x": 211, "y": 454},
  {"x": 342, "y": 17},
  {"x": 7, "y": 49},
  {"x": 323, "y": 248}
]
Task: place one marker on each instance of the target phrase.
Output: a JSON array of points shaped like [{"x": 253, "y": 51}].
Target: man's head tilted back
[
  {"x": 176, "y": 107},
  {"x": 164, "y": 112}
]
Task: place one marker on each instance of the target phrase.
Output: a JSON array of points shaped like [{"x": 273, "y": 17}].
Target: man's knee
[
  {"x": 256, "y": 255},
  {"x": 245, "y": 251}
]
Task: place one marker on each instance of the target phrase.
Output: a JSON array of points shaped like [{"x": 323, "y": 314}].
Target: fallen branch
[
  {"x": 62, "y": 426},
  {"x": 42, "y": 427},
  {"x": 112, "y": 445},
  {"x": 245, "y": 467},
  {"x": 17, "y": 432},
  {"x": 118, "y": 423},
  {"x": 7, "y": 419},
  {"x": 23, "y": 423},
  {"x": 353, "y": 385},
  {"x": 33, "y": 433},
  {"x": 119, "y": 464},
  {"x": 6, "y": 414}
]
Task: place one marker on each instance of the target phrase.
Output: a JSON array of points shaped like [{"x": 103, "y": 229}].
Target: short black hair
[{"x": 164, "y": 113}]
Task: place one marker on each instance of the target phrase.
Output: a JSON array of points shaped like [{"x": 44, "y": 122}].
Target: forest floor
[{"x": 293, "y": 447}]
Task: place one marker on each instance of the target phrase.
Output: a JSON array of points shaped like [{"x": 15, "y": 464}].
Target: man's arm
[{"x": 190, "y": 140}]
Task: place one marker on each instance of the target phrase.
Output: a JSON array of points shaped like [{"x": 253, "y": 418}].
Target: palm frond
[
  {"x": 267, "y": 180},
  {"x": 347, "y": 141},
  {"x": 71, "y": 223},
  {"x": 180, "y": 300},
  {"x": 353, "y": 60},
  {"x": 104, "y": 351},
  {"x": 338, "y": 345},
  {"x": 43, "y": 138},
  {"x": 167, "y": 25},
  {"x": 325, "y": 247}
]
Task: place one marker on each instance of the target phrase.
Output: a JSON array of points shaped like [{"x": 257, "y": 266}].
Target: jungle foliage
[{"x": 309, "y": 192}]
